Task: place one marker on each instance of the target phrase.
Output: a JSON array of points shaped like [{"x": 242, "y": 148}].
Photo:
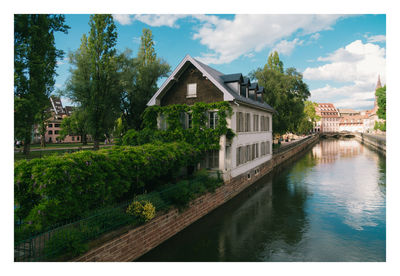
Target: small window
[
  {"x": 50, "y": 132},
  {"x": 56, "y": 125},
  {"x": 213, "y": 120},
  {"x": 73, "y": 138},
  {"x": 189, "y": 120},
  {"x": 191, "y": 90},
  {"x": 77, "y": 138},
  {"x": 50, "y": 125},
  {"x": 56, "y": 132}
]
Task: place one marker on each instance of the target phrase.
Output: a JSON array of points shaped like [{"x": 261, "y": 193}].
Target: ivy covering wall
[{"x": 199, "y": 135}]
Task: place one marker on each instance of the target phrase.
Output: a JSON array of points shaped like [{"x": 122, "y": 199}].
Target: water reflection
[{"x": 327, "y": 206}]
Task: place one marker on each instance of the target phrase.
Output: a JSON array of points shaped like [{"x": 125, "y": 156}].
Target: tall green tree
[
  {"x": 138, "y": 80},
  {"x": 381, "y": 95},
  {"x": 94, "y": 82},
  {"x": 35, "y": 60},
  {"x": 309, "y": 117},
  {"x": 285, "y": 92},
  {"x": 76, "y": 124}
]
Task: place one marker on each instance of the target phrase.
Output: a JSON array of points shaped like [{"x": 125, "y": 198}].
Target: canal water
[{"x": 328, "y": 205}]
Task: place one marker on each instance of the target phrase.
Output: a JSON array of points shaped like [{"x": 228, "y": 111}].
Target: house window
[
  {"x": 56, "y": 132},
  {"x": 191, "y": 90},
  {"x": 239, "y": 122},
  {"x": 189, "y": 120},
  {"x": 255, "y": 123},
  {"x": 267, "y": 124},
  {"x": 50, "y": 132},
  {"x": 237, "y": 156},
  {"x": 257, "y": 150},
  {"x": 240, "y": 155},
  {"x": 50, "y": 125},
  {"x": 248, "y": 125},
  {"x": 267, "y": 148},
  {"x": 262, "y": 148},
  {"x": 213, "y": 159},
  {"x": 253, "y": 151},
  {"x": 73, "y": 138},
  {"x": 56, "y": 125},
  {"x": 263, "y": 123},
  {"x": 248, "y": 153},
  {"x": 162, "y": 122},
  {"x": 213, "y": 119},
  {"x": 77, "y": 138}
]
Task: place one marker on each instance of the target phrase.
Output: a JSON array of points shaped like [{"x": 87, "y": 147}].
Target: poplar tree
[
  {"x": 35, "y": 61},
  {"x": 138, "y": 79},
  {"x": 94, "y": 80}
]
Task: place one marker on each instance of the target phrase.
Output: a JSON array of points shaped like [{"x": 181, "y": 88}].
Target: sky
[{"x": 340, "y": 56}]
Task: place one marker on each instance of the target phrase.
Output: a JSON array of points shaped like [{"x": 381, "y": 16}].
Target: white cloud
[
  {"x": 375, "y": 38},
  {"x": 63, "y": 61},
  {"x": 246, "y": 33},
  {"x": 357, "y": 96},
  {"x": 123, "y": 19},
  {"x": 358, "y": 64},
  {"x": 136, "y": 39},
  {"x": 158, "y": 20},
  {"x": 286, "y": 47},
  {"x": 315, "y": 36},
  {"x": 230, "y": 39}
]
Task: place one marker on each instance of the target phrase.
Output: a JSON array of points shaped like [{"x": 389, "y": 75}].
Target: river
[{"x": 327, "y": 205}]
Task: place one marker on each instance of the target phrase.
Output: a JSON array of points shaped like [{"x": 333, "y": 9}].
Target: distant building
[
  {"x": 352, "y": 123},
  {"x": 330, "y": 118},
  {"x": 348, "y": 112},
  {"x": 58, "y": 112}
]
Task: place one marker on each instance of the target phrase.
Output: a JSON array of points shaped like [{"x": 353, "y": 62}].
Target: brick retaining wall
[{"x": 136, "y": 242}]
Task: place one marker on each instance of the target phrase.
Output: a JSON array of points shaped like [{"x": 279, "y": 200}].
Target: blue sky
[{"x": 340, "y": 56}]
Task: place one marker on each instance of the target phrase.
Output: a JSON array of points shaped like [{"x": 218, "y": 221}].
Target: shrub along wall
[{"x": 58, "y": 188}]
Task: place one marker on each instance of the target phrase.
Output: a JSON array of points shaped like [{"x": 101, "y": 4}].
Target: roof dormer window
[{"x": 191, "y": 90}]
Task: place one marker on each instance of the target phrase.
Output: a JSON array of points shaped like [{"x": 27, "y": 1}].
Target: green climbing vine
[{"x": 200, "y": 135}]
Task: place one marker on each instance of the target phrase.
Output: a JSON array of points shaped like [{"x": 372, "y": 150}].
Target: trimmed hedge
[{"x": 58, "y": 188}]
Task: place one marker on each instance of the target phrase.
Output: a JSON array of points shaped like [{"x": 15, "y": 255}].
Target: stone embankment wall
[
  {"x": 377, "y": 142},
  {"x": 136, "y": 242}
]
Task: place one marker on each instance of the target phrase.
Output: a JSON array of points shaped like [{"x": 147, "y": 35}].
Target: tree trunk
[
  {"x": 42, "y": 141},
  {"x": 96, "y": 144},
  {"x": 84, "y": 139},
  {"x": 26, "y": 148}
]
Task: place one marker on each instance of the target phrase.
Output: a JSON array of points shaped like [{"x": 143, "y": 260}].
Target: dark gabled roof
[
  {"x": 228, "y": 78},
  {"x": 253, "y": 86},
  {"x": 260, "y": 89},
  {"x": 246, "y": 80},
  {"x": 219, "y": 79},
  {"x": 218, "y": 76}
]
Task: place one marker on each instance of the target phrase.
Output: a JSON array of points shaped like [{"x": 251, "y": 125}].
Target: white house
[{"x": 193, "y": 81}]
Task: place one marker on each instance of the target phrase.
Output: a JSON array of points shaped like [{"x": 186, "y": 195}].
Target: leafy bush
[
  {"x": 59, "y": 188},
  {"x": 181, "y": 193},
  {"x": 69, "y": 241},
  {"x": 142, "y": 210}
]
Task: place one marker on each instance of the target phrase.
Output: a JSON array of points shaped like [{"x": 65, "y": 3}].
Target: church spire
[{"x": 378, "y": 84}]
